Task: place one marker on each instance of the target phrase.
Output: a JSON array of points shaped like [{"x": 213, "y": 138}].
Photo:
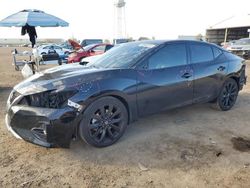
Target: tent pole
[{"x": 225, "y": 37}]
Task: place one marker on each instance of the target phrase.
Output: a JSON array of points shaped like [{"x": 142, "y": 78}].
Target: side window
[
  {"x": 46, "y": 47},
  {"x": 168, "y": 56},
  {"x": 217, "y": 52},
  {"x": 99, "y": 48},
  {"x": 108, "y": 47},
  {"x": 57, "y": 48},
  {"x": 201, "y": 53}
]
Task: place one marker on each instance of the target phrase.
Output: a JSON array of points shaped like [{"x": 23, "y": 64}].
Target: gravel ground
[{"x": 194, "y": 146}]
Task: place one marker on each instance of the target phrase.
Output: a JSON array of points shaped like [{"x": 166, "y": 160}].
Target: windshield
[
  {"x": 242, "y": 42},
  {"x": 86, "y": 48},
  {"x": 123, "y": 55}
]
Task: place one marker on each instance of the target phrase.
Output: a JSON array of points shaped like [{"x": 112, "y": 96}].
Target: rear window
[
  {"x": 217, "y": 52},
  {"x": 201, "y": 53}
]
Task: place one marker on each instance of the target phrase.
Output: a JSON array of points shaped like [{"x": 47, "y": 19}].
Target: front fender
[{"x": 122, "y": 88}]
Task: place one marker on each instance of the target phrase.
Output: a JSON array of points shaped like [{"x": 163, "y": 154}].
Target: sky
[{"x": 162, "y": 19}]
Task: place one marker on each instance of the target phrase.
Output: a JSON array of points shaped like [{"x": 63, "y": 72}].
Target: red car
[{"x": 90, "y": 50}]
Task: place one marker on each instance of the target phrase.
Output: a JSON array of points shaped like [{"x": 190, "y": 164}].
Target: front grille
[{"x": 40, "y": 133}]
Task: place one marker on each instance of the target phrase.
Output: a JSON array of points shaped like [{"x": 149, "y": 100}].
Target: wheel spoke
[
  {"x": 233, "y": 89},
  {"x": 111, "y": 135},
  {"x": 97, "y": 133},
  {"x": 102, "y": 111},
  {"x": 231, "y": 98},
  {"x": 116, "y": 120},
  {"x": 233, "y": 93},
  {"x": 227, "y": 101},
  {"x": 117, "y": 112},
  {"x": 97, "y": 117},
  {"x": 224, "y": 103},
  {"x": 94, "y": 125},
  {"x": 110, "y": 109},
  {"x": 116, "y": 128},
  {"x": 102, "y": 135}
]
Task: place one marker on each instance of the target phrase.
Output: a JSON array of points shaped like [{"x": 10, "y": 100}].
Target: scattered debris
[
  {"x": 186, "y": 155},
  {"x": 142, "y": 167},
  {"x": 26, "y": 183},
  {"x": 211, "y": 141},
  {"x": 219, "y": 153},
  {"x": 246, "y": 165},
  {"x": 241, "y": 144}
]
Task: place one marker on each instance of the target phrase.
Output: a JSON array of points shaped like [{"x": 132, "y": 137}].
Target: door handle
[
  {"x": 186, "y": 75},
  {"x": 221, "y": 68}
]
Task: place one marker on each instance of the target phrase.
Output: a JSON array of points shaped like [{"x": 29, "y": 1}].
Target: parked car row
[
  {"x": 73, "y": 52},
  {"x": 239, "y": 47}
]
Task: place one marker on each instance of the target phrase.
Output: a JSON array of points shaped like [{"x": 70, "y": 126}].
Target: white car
[{"x": 50, "y": 48}]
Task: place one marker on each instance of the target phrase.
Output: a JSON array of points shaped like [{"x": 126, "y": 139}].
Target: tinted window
[
  {"x": 108, "y": 47},
  {"x": 86, "y": 48},
  {"x": 168, "y": 56},
  {"x": 57, "y": 48},
  {"x": 46, "y": 47},
  {"x": 99, "y": 48},
  {"x": 217, "y": 52},
  {"x": 201, "y": 53}
]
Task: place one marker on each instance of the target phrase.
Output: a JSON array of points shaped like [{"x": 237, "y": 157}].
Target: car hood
[
  {"x": 74, "y": 44},
  {"x": 239, "y": 47},
  {"x": 59, "y": 78}
]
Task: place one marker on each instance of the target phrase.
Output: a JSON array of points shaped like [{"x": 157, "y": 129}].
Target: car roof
[{"x": 159, "y": 42}]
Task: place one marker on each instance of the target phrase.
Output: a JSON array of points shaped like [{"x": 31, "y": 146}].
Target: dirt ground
[{"x": 194, "y": 146}]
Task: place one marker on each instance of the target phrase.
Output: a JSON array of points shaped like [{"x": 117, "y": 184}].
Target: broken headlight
[{"x": 48, "y": 99}]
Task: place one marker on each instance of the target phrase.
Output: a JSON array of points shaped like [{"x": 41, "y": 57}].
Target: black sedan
[{"x": 98, "y": 100}]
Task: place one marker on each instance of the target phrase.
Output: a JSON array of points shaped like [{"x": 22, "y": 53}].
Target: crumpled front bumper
[{"x": 43, "y": 126}]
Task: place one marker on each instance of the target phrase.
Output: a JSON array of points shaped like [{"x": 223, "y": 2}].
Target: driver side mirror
[{"x": 143, "y": 65}]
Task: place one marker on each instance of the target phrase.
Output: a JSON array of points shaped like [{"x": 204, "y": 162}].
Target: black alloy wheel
[
  {"x": 228, "y": 95},
  {"x": 104, "y": 122}
]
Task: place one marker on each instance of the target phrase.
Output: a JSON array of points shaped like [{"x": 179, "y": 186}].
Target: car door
[
  {"x": 165, "y": 80},
  {"x": 59, "y": 50},
  {"x": 210, "y": 68}
]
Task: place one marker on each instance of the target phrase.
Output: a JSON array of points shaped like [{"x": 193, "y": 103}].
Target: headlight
[
  {"x": 48, "y": 99},
  {"x": 13, "y": 96}
]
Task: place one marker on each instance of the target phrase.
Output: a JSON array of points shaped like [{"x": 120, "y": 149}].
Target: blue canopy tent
[
  {"x": 34, "y": 18},
  {"x": 29, "y": 19}
]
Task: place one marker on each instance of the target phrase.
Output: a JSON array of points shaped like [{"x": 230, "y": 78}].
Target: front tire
[
  {"x": 228, "y": 95},
  {"x": 104, "y": 122}
]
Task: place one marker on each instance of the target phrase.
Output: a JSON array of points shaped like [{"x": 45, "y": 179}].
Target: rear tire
[
  {"x": 228, "y": 95},
  {"x": 104, "y": 122}
]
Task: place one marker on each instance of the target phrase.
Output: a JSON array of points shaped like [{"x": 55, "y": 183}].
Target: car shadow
[
  {"x": 180, "y": 137},
  {"x": 184, "y": 138}
]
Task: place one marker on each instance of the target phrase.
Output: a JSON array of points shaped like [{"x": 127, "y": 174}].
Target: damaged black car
[{"x": 96, "y": 101}]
